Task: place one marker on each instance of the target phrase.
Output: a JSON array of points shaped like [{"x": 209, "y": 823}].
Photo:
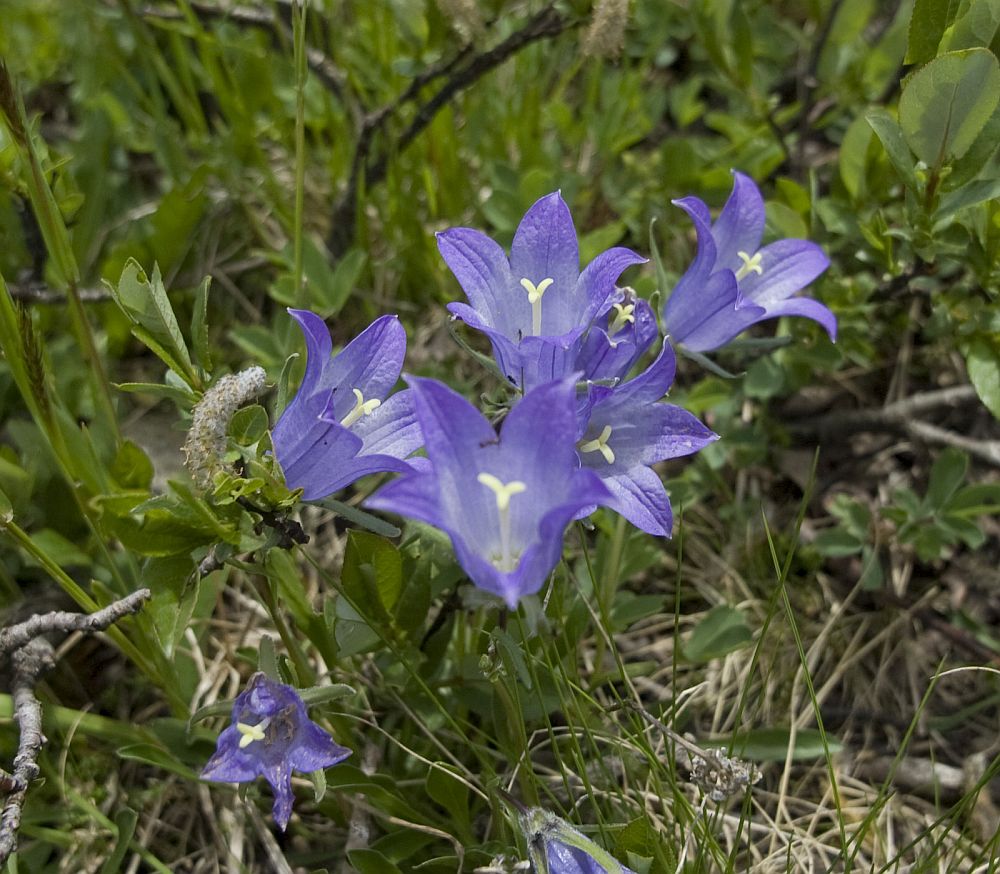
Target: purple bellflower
[
  {"x": 733, "y": 283},
  {"x": 271, "y": 735},
  {"x": 555, "y": 847},
  {"x": 504, "y": 499},
  {"x": 341, "y": 425},
  {"x": 535, "y": 307},
  {"x": 625, "y": 431},
  {"x": 618, "y": 337}
]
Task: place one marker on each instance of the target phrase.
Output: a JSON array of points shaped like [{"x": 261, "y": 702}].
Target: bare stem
[{"x": 31, "y": 656}]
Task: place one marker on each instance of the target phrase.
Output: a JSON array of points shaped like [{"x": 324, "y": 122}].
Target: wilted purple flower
[
  {"x": 271, "y": 735},
  {"x": 504, "y": 499},
  {"x": 536, "y": 307},
  {"x": 733, "y": 283},
  {"x": 555, "y": 847},
  {"x": 341, "y": 426},
  {"x": 618, "y": 337},
  {"x": 626, "y": 431}
]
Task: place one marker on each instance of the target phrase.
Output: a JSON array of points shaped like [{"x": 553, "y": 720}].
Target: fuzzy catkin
[
  {"x": 605, "y": 37},
  {"x": 465, "y": 16},
  {"x": 206, "y": 440}
]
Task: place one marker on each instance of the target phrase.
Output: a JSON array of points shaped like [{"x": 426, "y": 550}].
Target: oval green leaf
[{"x": 947, "y": 103}]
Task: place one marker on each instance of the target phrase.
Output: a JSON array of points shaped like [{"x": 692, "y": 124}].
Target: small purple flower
[
  {"x": 341, "y": 425},
  {"x": 626, "y": 431},
  {"x": 536, "y": 307},
  {"x": 733, "y": 282},
  {"x": 504, "y": 499},
  {"x": 271, "y": 735},
  {"x": 618, "y": 338},
  {"x": 555, "y": 847}
]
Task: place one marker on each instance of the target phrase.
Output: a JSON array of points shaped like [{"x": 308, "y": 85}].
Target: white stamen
[
  {"x": 623, "y": 317},
  {"x": 750, "y": 265},
  {"x": 361, "y": 408},
  {"x": 503, "y": 493},
  {"x": 535, "y": 293},
  {"x": 252, "y": 732},
  {"x": 601, "y": 445}
]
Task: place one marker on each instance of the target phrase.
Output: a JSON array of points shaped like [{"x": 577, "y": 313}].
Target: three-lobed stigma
[
  {"x": 252, "y": 732},
  {"x": 535, "y": 293},
  {"x": 601, "y": 445},
  {"x": 750, "y": 265},
  {"x": 361, "y": 408}
]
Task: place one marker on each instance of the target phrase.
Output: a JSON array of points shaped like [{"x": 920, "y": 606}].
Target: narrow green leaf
[
  {"x": 891, "y": 136},
  {"x": 771, "y": 744},
  {"x": 199, "y": 326}
]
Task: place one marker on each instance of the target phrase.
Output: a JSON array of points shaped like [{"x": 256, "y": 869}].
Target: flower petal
[
  {"x": 371, "y": 363},
  {"x": 788, "y": 265},
  {"x": 481, "y": 268},
  {"x": 314, "y": 749},
  {"x": 229, "y": 764},
  {"x": 740, "y": 225},
  {"x": 414, "y": 495},
  {"x": 808, "y": 308},
  {"x": 597, "y": 282},
  {"x": 639, "y": 496},
  {"x": 391, "y": 428},
  {"x": 719, "y": 319},
  {"x": 279, "y": 776},
  {"x": 545, "y": 247}
]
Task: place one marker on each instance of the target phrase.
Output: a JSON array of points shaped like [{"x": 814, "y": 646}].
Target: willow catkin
[
  {"x": 206, "y": 440},
  {"x": 605, "y": 37}
]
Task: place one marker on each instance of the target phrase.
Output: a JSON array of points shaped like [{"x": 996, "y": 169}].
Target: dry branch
[{"x": 31, "y": 656}]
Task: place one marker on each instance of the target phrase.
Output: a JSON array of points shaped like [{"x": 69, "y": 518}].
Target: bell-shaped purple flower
[
  {"x": 618, "y": 337},
  {"x": 271, "y": 735},
  {"x": 342, "y": 424},
  {"x": 535, "y": 307},
  {"x": 504, "y": 499},
  {"x": 733, "y": 283},
  {"x": 555, "y": 847},
  {"x": 625, "y": 431}
]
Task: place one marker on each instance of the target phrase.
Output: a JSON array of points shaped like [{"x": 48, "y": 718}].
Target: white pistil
[
  {"x": 503, "y": 492},
  {"x": 361, "y": 408},
  {"x": 535, "y": 293},
  {"x": 601, "y": 445},
  {"x": 623, "y": 317},
  {"x": 252, "y": 732},
  {"x": 750, "y": 265}
]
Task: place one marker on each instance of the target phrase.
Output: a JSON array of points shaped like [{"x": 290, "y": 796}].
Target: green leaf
[
  {"x": 199, "y": 326},
  {"x": 891, "y": 136},
  {"x": 125, "y": 821},
  {"x": 373, "y": 571},
  {"x": 359, "y": 517},
  {"x": 982, "y": 359},
  {"x": 60, "y": 550},
  {"x": 976, "y": 25},
  {"x": 131, "y": 467},
  {"x": 771, "y": 744},
  {"x": 947, "y": 103},
  {"x": 853, "y": 159},
  {"x": 452, "y": 794},
  {"x": 927, "y": 26},
  {"x": 368, "y": 861},
  {"x": 976, "y": 500},
  {"x": 248, "y": 425},
  {"x": 332, "y": 294},
  {"x": 837, "y": 543},
  {"x": 722, "y": 631},
  {"x": 144, "y": 301},
  {"x": 947, "y": 474}
]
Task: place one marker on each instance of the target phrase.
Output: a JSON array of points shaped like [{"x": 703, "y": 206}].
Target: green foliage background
[{"x": 308, "y": 161}]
